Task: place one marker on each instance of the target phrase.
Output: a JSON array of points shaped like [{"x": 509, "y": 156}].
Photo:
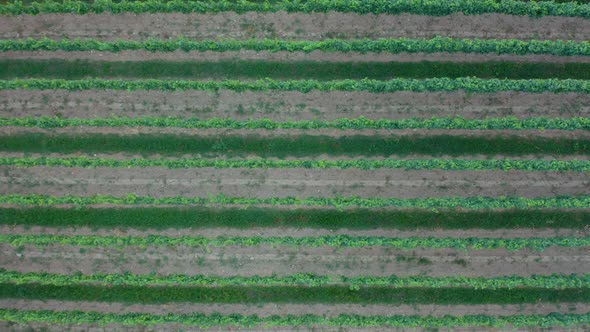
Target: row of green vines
[
  {"x": 470, "y": 84},
  {"x": 400, "y": 45},
  {"x": 554, "y": 281},
  {"x": 218, "y": 320},
  {"x": 420, "y": 7},
  {"x": 337, "y": 241},
  {"x": 364, "y": 164},
  {"x": 360, "y": 123},
  {"x": 477, "y": 202}
]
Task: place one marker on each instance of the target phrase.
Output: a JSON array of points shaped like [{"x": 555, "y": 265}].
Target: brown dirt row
[
  {"x": 294, "y": 232},
  {"x": 280, "y": 260},
  {"x": 289, "y": 105},
  {"x": 268, "y": 183},
  {"x": 262, "y": 310},
  {"x": 265, "y": 133},
  {"x": 291, "y": 26},
  {"x": 287, "y": 56},
  {"x": 281, "y": 207},
  {"x": 11, "y": 327}
]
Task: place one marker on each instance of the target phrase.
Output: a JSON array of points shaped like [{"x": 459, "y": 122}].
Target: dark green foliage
[
  {"x": 290, "y": 294},
  {"x": 227, "y": 69},
  {"x": 296, "y": 146},
  {"x": 438, "y": 8},
  {"x": 211, "y": 217}
]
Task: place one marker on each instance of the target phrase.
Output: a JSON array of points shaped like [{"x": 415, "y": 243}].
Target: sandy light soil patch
[{"x": 291, "y": 26}]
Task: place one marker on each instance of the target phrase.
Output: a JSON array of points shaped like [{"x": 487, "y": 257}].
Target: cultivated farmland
[{"x": 283, "y": 165}]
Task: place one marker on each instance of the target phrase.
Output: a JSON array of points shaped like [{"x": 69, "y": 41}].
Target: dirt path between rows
[
  {"x": 269, "y": 183},
  {"x": 280, "y": 260},
  {"x": 283, "y": 106},
  {"x": 291, "y": 26},
  {"x": 12, "y": 327},
  {"x": 294, "y": 232},
  {"x": 124, "y": 132},
  {"x": 287, "y": 56},
  {"x": 263, "y": 310}
]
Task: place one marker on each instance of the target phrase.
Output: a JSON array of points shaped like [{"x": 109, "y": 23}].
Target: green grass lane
[
  {"x": 295, "y": 146},
  {"x": 202, "y": 217}
]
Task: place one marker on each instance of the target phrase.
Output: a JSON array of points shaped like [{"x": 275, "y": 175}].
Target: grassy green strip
[
  {"x": 563, "y": 1},
  {"x": 476, "y": 202},
  {"x": 385, "y": 45},
  {"x": 290, "y": 294},
  {"x": 217, "y": 320},
  {"x": 469, "y": 84},
  {"x": 337, "y": 241},
  {"x": 358, "y": 219},
  {"x": 364, "y": 164},
  {"x": 294, "y": 145},
  {"x": 514, "y": 123},
  {"x": 437, "y": 8},
  {"x": 555, "y": 281},
  {"x": 240, "y": 69}
]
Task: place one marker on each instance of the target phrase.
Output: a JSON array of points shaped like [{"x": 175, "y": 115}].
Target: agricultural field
[{"x": 295, "y": 165}]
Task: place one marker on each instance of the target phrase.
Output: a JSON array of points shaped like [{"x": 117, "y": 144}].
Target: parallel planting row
[
  {"x": 247, "y": 70},
  {"x": 304, "y": 279},
  {"x": 502, "y": 202},
  {"x": 225, "y": 190},
  {"x": 540, "y": 123},
  {"x": 469, "y": 84},
  {"x": 337, "y": 241},
  {"x": 468, "y": 7},
  {"x": 237, "y": 320},
  {"x": 532, "y": 165},
  {"x": 303, "y": 145},
  {"x": 208, "y": 217},
  {"x": 395, "y": 46}
]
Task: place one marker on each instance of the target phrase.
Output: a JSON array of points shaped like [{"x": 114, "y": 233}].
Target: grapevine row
[
  {"x": 513, "y": 123},
  {"x": 336, "y": 241},
  {"x": 477, "y": 202},
  {"x": 364, "y": 164},
  {"x": 217, "y": 320},
  {"x": 555, "y": 281},
  {"x": 420, "y": 7},
  {"x": 469, "y": 84},
  {"x": 382, "y": 45}
]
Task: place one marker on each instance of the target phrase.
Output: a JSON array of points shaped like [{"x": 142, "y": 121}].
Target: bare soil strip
[
  {"x": 246, "y": 55},
  {"x": 6, "y": 326},
  {"x": 291, "y": 26},
  {"x": 268, "y": 183},
  {"x": 238, "y": 206},
  {"x": 265, "y": 260},
  {"x": 266, "y": 133},
  {"x": 281, "y": 106},
  {"x": 294, "y": 232},
  {"x": 263, "y": 310}
]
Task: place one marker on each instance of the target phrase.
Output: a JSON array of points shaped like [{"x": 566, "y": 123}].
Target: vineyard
[{"x": 294, "y": 165}]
